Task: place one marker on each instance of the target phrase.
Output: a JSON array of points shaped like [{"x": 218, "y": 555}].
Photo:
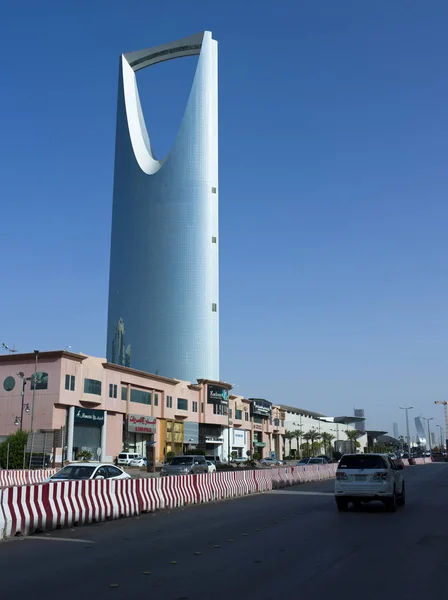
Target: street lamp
[
  {"x": 23, "y": 407},
  {"x": 441, "y": 436},
  {"x": 428, "y": 419},
  {"x": 36, "y": 354},
  {"x": 407, "y": 409}
]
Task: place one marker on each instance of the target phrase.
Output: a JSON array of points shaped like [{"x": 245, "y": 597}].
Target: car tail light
[
  {"x": 341, "y": 475},
  {"x": 381, "y": 476}
]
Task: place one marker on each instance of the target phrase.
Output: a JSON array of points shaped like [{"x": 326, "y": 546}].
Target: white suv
[{"x": 369, "y": 477}]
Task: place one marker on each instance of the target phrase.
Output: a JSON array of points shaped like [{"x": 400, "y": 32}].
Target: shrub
[
  {"x": 169, "y": 456},
  {"x": 256, "y": 456},
  {"x": 84, "y": 455},
  {"x": 17, "y": 442}
]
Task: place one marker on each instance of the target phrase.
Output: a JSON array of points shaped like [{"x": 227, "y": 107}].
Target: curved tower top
[{"x": 164, "y": 279}]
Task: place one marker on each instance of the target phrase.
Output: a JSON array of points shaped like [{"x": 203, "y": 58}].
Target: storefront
[
  {"x": 141, "y": 430},
  {"x": 211, "y": 440},
  {"x": 171, "y": 438},
  {"x": 239, "y": 443},
  {"x": 261, "y": 412},
  {"x": 86, "y": 432},
  {"x": 191, "y": 436}
]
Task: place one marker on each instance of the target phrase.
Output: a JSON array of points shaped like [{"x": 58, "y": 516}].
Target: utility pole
[
  {"x": 407, "y": 409},
  {"x": 428, "y": 419},
  {"x": 34, "y": 380}
]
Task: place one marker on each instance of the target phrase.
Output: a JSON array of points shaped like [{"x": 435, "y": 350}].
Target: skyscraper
[
  {"x": 396, "y": 432},
  {"x": 164, "y": 272},
  {"x": 420, "y": 428}
]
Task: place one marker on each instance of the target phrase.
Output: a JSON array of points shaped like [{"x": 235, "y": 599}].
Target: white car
[
  {"x": 138, "y": 462},
  {"x": 211, "y": 467},
  {"x": 88, "y": 470},
  {"x": 367, "y": 478},
  {"x": 124, "y": 458},
  {"x": 271, "y": 462}
]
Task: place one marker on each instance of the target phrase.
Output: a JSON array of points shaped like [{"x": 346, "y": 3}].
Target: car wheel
[
  {"x": 391, "y": 503},
  {"x": 342, "y": 504},
  {"x": 401, "y": 500}
]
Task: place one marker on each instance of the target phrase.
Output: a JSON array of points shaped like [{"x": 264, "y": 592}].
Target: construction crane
[{"x": 445, "y": 410}]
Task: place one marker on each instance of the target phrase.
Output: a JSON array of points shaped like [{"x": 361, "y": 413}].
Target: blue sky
[{"x": 333, "y": 187}]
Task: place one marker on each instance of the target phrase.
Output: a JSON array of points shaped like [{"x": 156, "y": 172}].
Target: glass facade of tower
[{"x": 164, "y": 276}]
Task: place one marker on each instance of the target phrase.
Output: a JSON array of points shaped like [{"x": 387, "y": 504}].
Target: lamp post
[
  {"x": 36, "y": 354},
  {"x": 23, "y": 407},
  {"x": 441, "y": 435},
  {"x": 407, "y": 409},
  {"x": 428, "y": 419}
]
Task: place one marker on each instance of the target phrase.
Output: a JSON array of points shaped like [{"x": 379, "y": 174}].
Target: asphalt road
[{"x": 287, "y": 543}]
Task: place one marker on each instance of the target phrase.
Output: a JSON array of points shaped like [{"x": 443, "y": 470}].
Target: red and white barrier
[
  {"x": 25, "y": 509},
  {"x": 24, "y": 476}
]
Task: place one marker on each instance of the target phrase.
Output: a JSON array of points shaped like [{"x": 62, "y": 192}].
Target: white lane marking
[
  {"x": 301, "y": 493},
  {"x": 58, "y": 539}
]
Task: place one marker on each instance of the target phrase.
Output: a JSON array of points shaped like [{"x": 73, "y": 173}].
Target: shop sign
[
  {"x": 90, "y": 416},
  {"x": 141, "y": 424},
  {"x": 217, "y": 394},
  {"x": 258, "y": 427},
  {"x": 260, "y": 444},
  {"x": 239, "y": 438},
  {"x": 260, "y": 407}
]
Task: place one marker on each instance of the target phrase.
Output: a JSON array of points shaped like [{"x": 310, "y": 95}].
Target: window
[
  {"x": 92, "y": 386},
  {"x": 156, "y": 399},
  {"x": 246, "y": 416},
  {"x": 39, "y": 381},
  {"x": 230, "y": 413},
  {"x": 202, "y": 407},
  {"x": 182, "y": 404},
  {"x": 9, "y": 383},
  {"x": 195, "y": 406},
  {"x": 101, "y": 472},
  {"x": 239, "y": 415},
  {"x": 70, "y": 382},
  {"x": 214, "y": 307},
  {"x": 362, "y": 462},
  {"x": 258, "y": 419},
  {"x": 213, "y": 190},
  {"x": 113, "y": 390},
  {"x": 123, "y": 393},
  {"x": 276, "y": 422},
  {"x": 113, "y": 471},
  {"x": 219, "y": 409},
  {"x": 140, "y": 396},
  {"x": 169, "y": 402},
  {"x": 213, "y": 240}
]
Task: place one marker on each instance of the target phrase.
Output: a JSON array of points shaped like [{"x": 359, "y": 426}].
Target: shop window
[
  {"x": 239, "y": 415},
  {"x": 195, "y": 406},
  {"x": 70, "y": 383},
  {"x": 169, "y": 402},
  {"x": 182, "y": 404},
  {"x": 39, "y": 381},
  {"x": 156, "y": 399},
  {"x": 141, "y": 397},
  {"x": 112, "y": 390},
  {"x": 92, "y": 386}
]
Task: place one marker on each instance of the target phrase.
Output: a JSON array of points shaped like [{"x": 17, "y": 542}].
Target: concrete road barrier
[
  {"x": 25, "y": 509},
  {"x": 24, "y": 476}
]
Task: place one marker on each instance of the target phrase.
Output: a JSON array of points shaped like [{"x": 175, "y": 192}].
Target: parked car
[
  {"x": 314, "y": 460},
  {"x": 211, "y": 467},
  {"x": 185, "y": 465},
  {"x": 271, "y": 462},
  {"x": 213, "y": 459},
  {"x": 124, "y": 458},
  {"x": 88, "y": 470},
  {"x": 138, "y": 462},
  {"x": 367, "y": 478}
]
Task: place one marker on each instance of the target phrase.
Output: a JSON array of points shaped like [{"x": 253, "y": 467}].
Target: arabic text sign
[{"x": 141, "y": 424}]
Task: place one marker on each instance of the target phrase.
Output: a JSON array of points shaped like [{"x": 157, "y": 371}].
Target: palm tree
[
  {"x": 327, "y": 438},
  {"x": 298, "y": 433},
  {"x": 289, "y": 435},
  {"x": 314, "y": 436},
  {"x": 307, "y": 437},
  {"x": 352, "y": 435}
]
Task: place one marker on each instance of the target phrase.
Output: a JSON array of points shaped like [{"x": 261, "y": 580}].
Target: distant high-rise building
[
  {"x": 396, "y": 432},
  {"x": 433, "y": 439},
  {"x": 361, "y": 425},
  {"x": 164, "y": 266},
  {"x": 420, "y": 428}
]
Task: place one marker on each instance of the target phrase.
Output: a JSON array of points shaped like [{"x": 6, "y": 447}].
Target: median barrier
[
  {"x": 25, "y": 509},
  {"x": 24, "y": 476}
]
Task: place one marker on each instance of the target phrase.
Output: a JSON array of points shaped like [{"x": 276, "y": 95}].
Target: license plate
[{"x": 360, "y": 477}]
